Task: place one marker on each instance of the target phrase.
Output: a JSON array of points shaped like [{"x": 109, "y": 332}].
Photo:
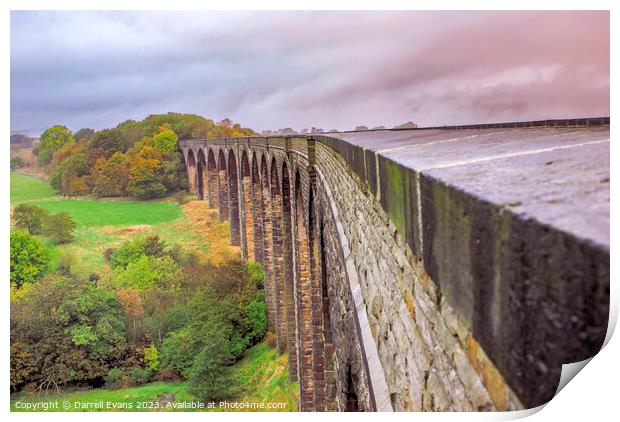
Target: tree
[
  {"x": 51, "y": 141},
  {"x": 29, "y": 217},
  {"x": 69, "y": 176},
  {"x": 29, "y": 258},
  {"x": 132, "y": 304},
  {"x": 59, "y": 227},
  {"x": 67, "y": 151},
  {"x": 72, "y": 331},
  {"x": 108, "y": 141},
  {"x": 112, "y": 176},
  {"x": 17, "y": 162},
  {"x": 210, "y": 378},
  {"x": 148, "y": 273},
  {"x": 143, "y": 179},
  {"x": 166, "y": 141},
  {"x": 84, "y": 134}
]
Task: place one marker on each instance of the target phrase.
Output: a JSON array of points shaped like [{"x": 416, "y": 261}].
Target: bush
[
  {"x": 29, "y": 258},
  {"x": 210, "y": 378},
  {"x": 66, "y": 260},
  {"x": 29, "y": 217},
  {"x": 17, "y": 162},
  {"x": 140, "y": 375},
  {"x": 59, "y": 227},
  {"x": 114, "y": 378},
  {"x": 257, "y": 273},
  {"x": 178, "y": 351},
  {"x": 270, "y": 339},
  {"x": 166, "y": 375},
  {"x": 257, "y": 315},
  {"x": 151, "y": 357}
]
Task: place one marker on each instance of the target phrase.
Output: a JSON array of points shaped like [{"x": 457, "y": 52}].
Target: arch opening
[
  {"x": 278, "y": 258},
  {"x": 191, "y": 171},
  {"x": 223, "y": 186},
  {"x": 303, "y": 291},
  {"x": 213, "y": 180},
  {"x": 200, "y": 176},
  {"x": 233, "y": 198},
  {"x": 247, "y": 209},
  {"x": 288, "y": 274},
  {"x": 258, "y": 215},
  {"x": 270, "y": 293}
]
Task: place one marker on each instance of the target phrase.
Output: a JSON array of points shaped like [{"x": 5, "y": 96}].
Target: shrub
[
  {"x": 257, "y": 273},
  {"x": 178, "y": 351},
  {"x": 59, "y": 227},
  {"x": 114, "y": 377},
  {"x": 66, "y": 260},
  {"x": 151, "y": 357},
  {"x": 29, "y": 258},
  {"x": 17, "y": 162},
  {"x": 210, "y": 378},
  {"x": 166, "y": 375},
  {"x": 29, "y": 217},
  {"x": 257, "y": 315},
  {"x": 140, "y": 375},
  {"x": 270, "y": 339}
]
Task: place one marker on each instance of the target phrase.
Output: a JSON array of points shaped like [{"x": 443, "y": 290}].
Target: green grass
[
  {"x": 96, "y": 213},
  {"x": 261, "y": 377},
  {"x": 95, "y": 218},
  {"x": 27, "y": 188}
]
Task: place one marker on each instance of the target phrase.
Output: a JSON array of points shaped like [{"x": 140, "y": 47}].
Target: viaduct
[{"x": 435, "y": 269}]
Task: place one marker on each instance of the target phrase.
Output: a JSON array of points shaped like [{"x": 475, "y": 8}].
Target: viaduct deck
[{"x": 447, "y": 268}]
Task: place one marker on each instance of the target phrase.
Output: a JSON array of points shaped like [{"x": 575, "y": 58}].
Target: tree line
[{"x": 137, "y": 159}]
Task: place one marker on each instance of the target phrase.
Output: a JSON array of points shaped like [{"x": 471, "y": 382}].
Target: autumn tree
[
  {"x": 112, "y": 176},
  {"x": 67, "y": 151},
  {"x": 29, "y": 217},
  {"x": 29, "y": 258},
  {"x": 84, "y": 134},
  {"x": 143, "y": 178},
  {"x": 51, "y": 141},
  {"x": 59, "y": 227},
  {"x": 69, "y": 329},
  {"x": 108, "y": 141},
  {"x": 166, "y": 141}
]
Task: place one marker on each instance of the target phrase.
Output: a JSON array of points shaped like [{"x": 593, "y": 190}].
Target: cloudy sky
[{"x": 271, "y": 70}]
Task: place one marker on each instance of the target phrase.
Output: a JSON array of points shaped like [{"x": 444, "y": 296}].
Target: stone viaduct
[{"x": 449, "y": 268}]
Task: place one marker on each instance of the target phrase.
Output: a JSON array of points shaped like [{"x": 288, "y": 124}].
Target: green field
[
  {"x": 262, "y": 373},
  {"x": 103, "y": 223},
  {"x": 27, "y": 188},
  {"x": 97, "y": 213}
]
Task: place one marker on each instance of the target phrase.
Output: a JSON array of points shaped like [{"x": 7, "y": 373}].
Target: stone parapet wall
[{"x": 400, "y": 275}]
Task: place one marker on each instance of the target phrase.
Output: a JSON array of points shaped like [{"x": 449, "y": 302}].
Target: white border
[{"x": 590, "y": 396}]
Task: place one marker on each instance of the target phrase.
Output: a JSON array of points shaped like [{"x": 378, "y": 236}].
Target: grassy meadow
[
  {"x": 262, "y": 372},
  {"x": 104, "y": 223}
]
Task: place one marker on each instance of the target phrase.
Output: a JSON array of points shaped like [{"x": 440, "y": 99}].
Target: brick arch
[
  {"x": 213, "y": 180},
  {"x": 247, "y": 208},
  {"x": 279, "y": 258},
  {"x": 222, "y": 186},
  {"x": 233, "y": 199},
  {"x": 270, "y": 294},
  {"x": 190, "y": 162},
  {"x": 303, "y": 290},
  {"x": 316, "y": 299},
  {"x": 289, "y": 272},
  {"x": 201, "y": 175},
  {"x": 258, "y": 213}
]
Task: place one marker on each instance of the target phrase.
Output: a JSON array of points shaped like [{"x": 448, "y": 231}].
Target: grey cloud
[{"x": 302, "y": 69}]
